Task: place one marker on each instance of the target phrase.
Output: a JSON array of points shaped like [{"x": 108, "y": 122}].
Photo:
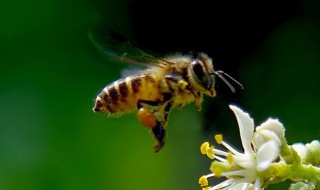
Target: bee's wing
[
  {"x": 131, "y": 70},
  {"x": 117, "y": 46}
]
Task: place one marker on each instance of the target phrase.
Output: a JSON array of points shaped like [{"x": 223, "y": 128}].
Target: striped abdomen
[{"x": 123, "y": 94}]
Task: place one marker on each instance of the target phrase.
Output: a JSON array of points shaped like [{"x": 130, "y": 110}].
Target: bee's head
[
  {"x": 201, "y": 69},
  {"x": 203, "y": 75}
]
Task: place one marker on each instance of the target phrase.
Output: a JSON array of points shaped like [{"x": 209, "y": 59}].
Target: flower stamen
[
  {"x": 218, "y": 138},
  {"x": 203, "y": 181}
]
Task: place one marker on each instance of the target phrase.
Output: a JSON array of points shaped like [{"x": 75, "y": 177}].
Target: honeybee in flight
[{"x": 164, "y": 83}]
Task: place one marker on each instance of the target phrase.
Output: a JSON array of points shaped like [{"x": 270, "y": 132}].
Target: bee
[{"x": 164, "y": 83}]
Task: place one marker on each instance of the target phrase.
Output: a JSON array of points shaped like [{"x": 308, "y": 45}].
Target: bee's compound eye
[
  {"x": 198, "y": 70},
  {"x": 200, "y": 74},
  {"x": 146, "y": 118}
]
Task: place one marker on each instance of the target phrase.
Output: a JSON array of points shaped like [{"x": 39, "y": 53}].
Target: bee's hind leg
[
  {"x": 147, "y": 116},
  {"x": 147, "y": 103},
  {"x": 159, "y": 110},
  {"x": 154, "y": 114},
  {"x": 146, "y": 112},
  {"x": 159, "y": 133}
]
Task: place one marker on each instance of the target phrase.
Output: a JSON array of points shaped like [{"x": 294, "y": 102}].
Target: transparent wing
[
  {"x": 117, "y": 46},
  {"x": 129, "y": 71}
]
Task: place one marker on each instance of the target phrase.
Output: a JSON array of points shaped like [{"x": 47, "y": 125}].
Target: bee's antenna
[{"x": 220, "y": 73}]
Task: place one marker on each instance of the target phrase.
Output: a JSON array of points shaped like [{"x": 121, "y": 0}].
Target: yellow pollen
[
  {"x": 204, "y": 147},
  {"x": 217, "y": 172},
  {"x": 182, "y": 84},
  {"x": 210, "y": 152},
  {"x": 218, "y": 138},
  {"x": 230, "y": 158},
  {"x": 203, "y": 181}
]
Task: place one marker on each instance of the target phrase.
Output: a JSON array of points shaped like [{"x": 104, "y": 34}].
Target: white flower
[
  {"x": 302, "y": 186},
  {"x": 313, "y": 152},
  {"x": 300, "y": 148},
  {"x": 309, "y": 153},
  {"x": 271, "y": 129},
  {"x": 243, "y": 170}
]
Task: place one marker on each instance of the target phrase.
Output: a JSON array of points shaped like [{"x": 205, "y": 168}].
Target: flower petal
[
  {"x": 273, "y": 125},
  {"x": 266, "y": 154},
  {"x": 246, "y": 128},
  {"x": 257, "y": 184},
  {"x": 313, "y": 149},
  {"x": 301, "y": 150},
  {"x": 240, "y": 186},
  {"x": 262, "y": 136},
  {"x": 223, "y": 184}
]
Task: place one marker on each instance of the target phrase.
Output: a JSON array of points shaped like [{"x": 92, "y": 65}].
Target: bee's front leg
[
  {"x": 177, "y": 83},
  {"x": 198, "y": 101}
]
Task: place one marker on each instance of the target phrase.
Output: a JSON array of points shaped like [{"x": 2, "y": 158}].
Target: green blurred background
[{"x": 50, "y": 74}]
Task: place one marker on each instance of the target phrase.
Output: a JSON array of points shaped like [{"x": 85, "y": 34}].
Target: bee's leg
[
  {"x": 167, "y": 109},
  {"x": 198, "y": 100},
  {"x": 159, "y": 133},
  {"x": 175, "y": 81},
  {"x": 150, "y": 116},
  {"x": 146, "y": 112},
  {"x": 154, "y": 115},
  {"x": 147, "y": 118},
  {"x": 148, "y": 103},
  {"x": 159, "y": 108}
]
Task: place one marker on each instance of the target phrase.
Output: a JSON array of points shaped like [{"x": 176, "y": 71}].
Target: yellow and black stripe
[{"x": 123, "y": 94}]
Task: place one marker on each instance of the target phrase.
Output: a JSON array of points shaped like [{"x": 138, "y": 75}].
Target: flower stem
[{"x": 296, "y": 172}]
